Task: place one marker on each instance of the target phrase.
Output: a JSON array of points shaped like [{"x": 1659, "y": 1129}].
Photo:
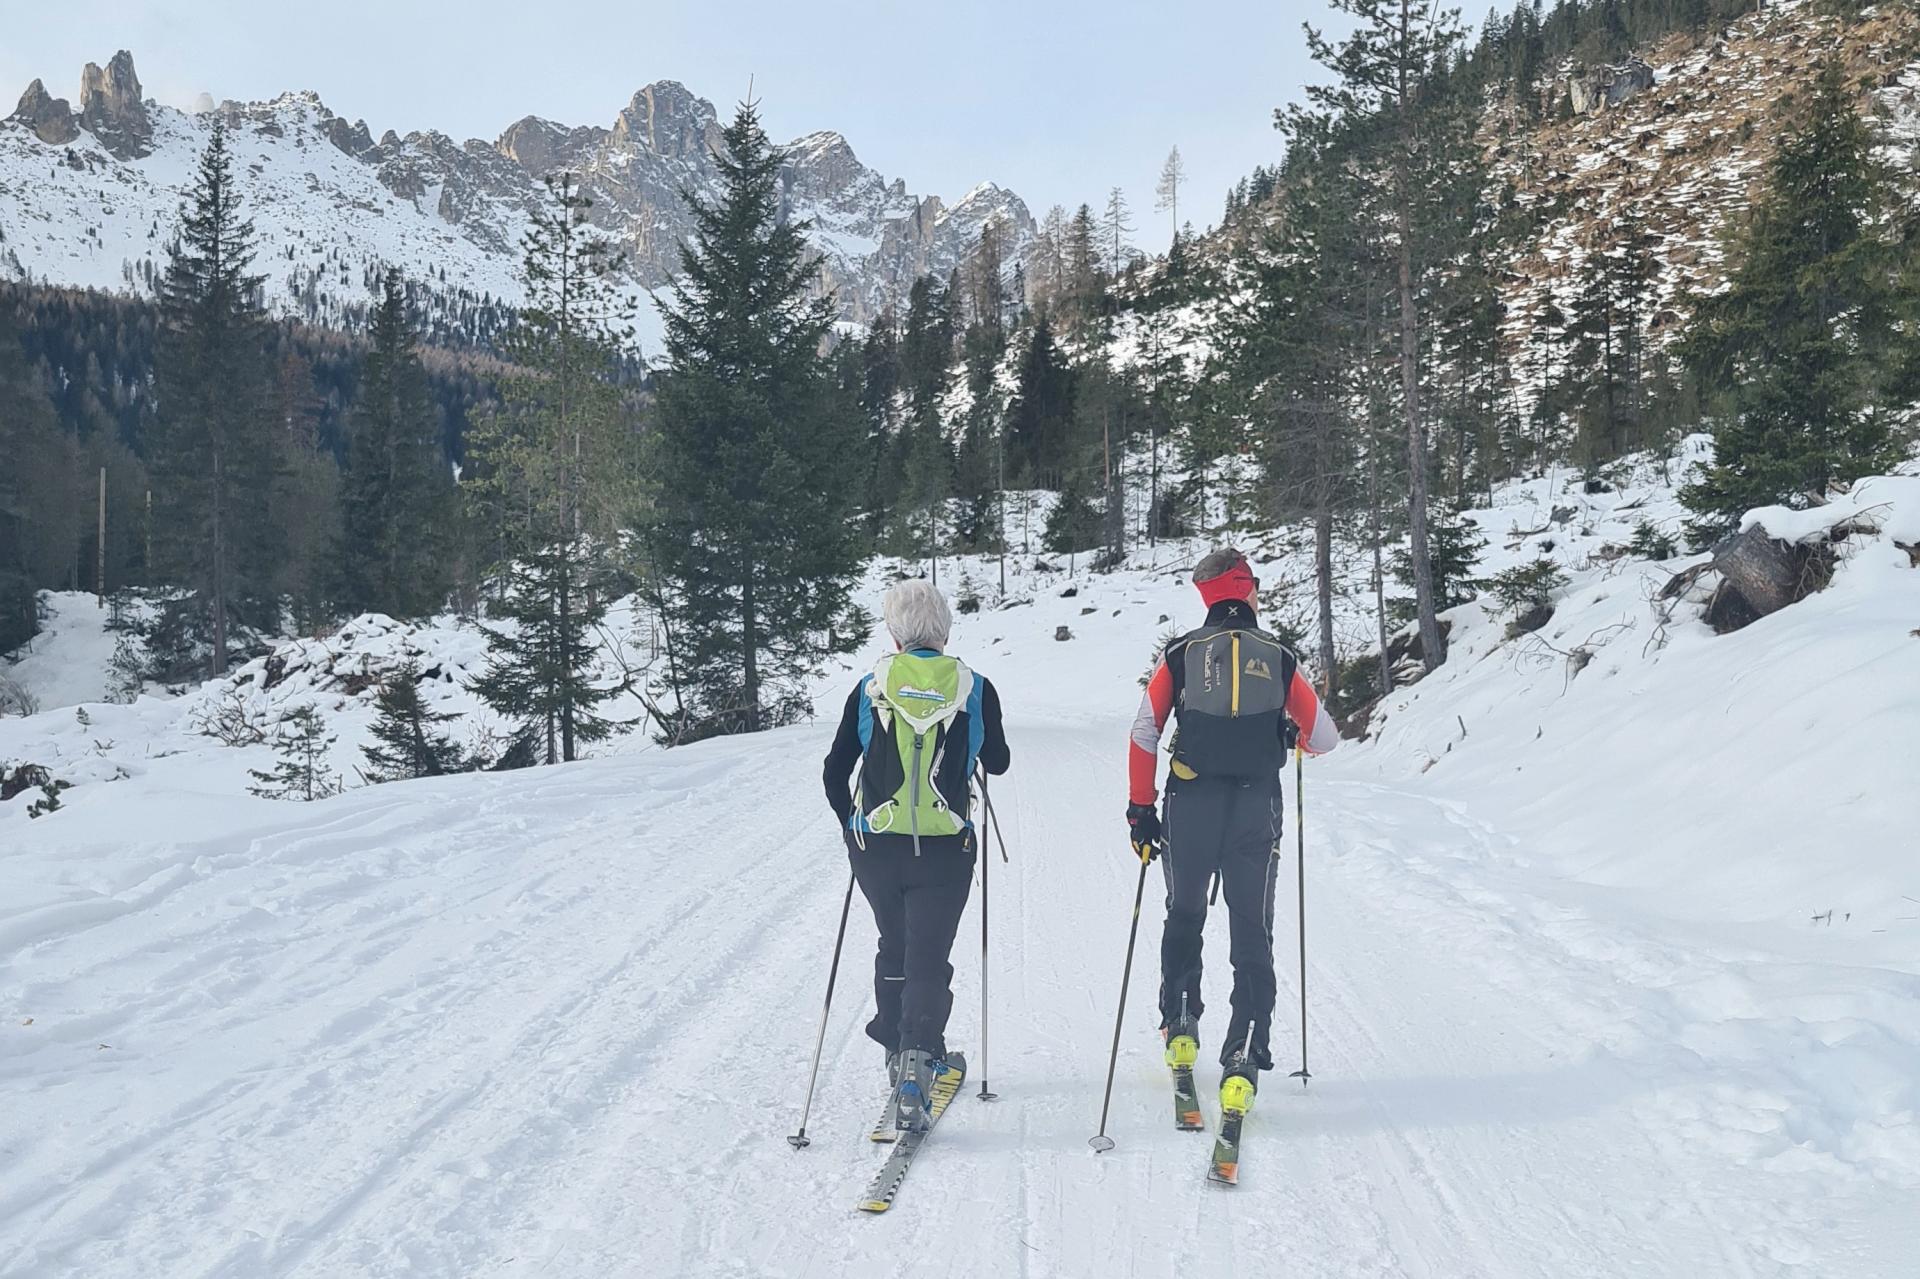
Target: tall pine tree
[
  {"x": 1388, "y": 68},
  {"x": 213, "y": 455},
  {"x": 396, "y": 488},
  {"x": 560, "y": 467},
  {"x": 754, "y": 539}
]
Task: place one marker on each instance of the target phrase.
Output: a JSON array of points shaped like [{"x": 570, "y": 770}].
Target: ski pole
[
  {"x": 800, "y": 1140},
  {"x": 1100, "y": 1141},
  {"x": 993, "y": 818},
  {"x": 1300, "y": 834},
  {"x": 985, "y": 861}
]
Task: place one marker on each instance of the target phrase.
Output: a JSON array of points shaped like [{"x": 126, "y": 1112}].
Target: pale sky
[{"x": 1057, "y": 101}]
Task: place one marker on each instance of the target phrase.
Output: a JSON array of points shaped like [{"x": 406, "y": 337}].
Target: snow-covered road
[{"x": 557, "y": 1023}]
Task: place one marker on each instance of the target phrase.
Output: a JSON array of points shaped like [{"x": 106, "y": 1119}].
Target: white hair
[{"x": 917, "y": 615}]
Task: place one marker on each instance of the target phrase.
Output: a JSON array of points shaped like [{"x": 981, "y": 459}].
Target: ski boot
[
  {"x": 1183, "y": 1042},
  {"x": 1239, "y": 1080},
  {"x": 915, "y": 1069}
]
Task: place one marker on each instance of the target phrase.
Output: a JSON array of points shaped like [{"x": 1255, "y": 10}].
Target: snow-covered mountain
[{"x": 92, "y": 195}]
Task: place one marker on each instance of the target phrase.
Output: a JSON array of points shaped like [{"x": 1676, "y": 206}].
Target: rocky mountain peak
[
  {"x": 542, "y": 147},
  {"x": 112, "y": 109},
  {"x": 50, "y": 118},
  {"x": 668, "y": 120}
]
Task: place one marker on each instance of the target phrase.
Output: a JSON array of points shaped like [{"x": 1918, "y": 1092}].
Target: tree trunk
[
  {"x": 1767, "y": 573},
  {"x": 1432, "y": 643},
  {"x": 1323, "y": 583},
  {"x": 566, "y": 655},
  {"x": 219, "y": 565},
  {"x": 1379, "y": 559},
  {"x": 750, "y": 640}
]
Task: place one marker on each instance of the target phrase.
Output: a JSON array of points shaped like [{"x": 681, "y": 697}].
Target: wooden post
[{"x": 100, "y": 549}]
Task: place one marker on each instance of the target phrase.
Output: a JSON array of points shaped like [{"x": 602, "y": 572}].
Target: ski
[
  {"x": 883, "y": 1128},
  {"x": 1186, "y": 1102},
  {"x": 1225, "y": 1168},
  {"x": 886, "y": 1183}
]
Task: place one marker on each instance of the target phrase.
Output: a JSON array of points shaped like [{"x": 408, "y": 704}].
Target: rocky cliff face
[
  {"x": 440, "y": 208},
  {"x": 49, "y": 118},
  {"x": 1680, "y": 151},
  {"x": 112, "y": 110}
]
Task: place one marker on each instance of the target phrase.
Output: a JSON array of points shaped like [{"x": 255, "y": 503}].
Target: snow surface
[{"x": 1612, "y": 969}]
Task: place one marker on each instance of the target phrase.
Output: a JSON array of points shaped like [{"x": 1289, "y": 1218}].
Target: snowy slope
[{"x": 1570, "y": 1012}]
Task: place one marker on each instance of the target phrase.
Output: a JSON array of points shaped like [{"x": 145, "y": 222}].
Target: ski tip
[
  {"x": 874, "y": 1205},
  {"x": 1224, "y": 1174}
]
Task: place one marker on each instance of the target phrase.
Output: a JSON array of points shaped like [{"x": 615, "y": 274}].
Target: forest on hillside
[{"x": 1336, "y": 353}]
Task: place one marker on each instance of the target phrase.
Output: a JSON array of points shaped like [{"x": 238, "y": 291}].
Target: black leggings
[
  {"x": 917, "y": 903},
  {"x": 1232, "y": 830}
]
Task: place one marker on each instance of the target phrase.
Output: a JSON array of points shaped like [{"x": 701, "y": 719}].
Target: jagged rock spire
[
  {"x": 112, "y": 110},
  {"x": 50, "y": 118}
]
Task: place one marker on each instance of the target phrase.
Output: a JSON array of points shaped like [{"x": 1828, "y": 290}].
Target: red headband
[{"x": 1237, "y": 583}]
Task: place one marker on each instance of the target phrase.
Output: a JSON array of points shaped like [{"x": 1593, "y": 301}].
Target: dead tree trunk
[{"x": 1769, "y": 574}]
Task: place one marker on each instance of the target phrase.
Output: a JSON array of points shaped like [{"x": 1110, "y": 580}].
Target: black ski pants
[
  {"x": 917, "y": 903},
  {"x": 1233, "y": 830}
]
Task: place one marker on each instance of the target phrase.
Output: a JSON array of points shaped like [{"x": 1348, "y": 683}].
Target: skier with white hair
[{"x": 913, "y": 730}]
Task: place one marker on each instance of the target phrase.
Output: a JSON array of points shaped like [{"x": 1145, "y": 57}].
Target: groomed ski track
[{"x": 557, "y": 1024}]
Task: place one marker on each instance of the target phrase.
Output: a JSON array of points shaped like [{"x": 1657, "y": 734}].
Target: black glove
[
  {"x": 1289, "y": 735},
  {"x": 1143, "y": 821}
]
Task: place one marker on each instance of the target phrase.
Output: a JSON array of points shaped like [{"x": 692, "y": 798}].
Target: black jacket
[{"x": 844, "y": 755}]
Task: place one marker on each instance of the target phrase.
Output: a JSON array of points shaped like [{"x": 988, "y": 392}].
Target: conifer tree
[
  {"x": 1075, "y": 521},
  {"x": 1294, "y": 343},
  {"x": 756, "y": 542},
  {"x": 1387, "y": 70},
  {"x": 1455, "y": 550},
  {"x": 1085, "y": 290},
  {"x": 1795, "y": 345},
  {"x": 407, "y": 741},
  {"x": 1167, "y": 191},
  {"x": 1040, "y": 418},
  {"x": 559, "y": 465},
  {"x": 302, "y": 771},
  {"x": 396, "y": 490},
  {"x": 926, "y": 346},
  {"x": 923, "y": 481},
  {"x": 36, "y": 476},
  {"x": 1115, "y": 227},
  {"x": 213, "y": 456}
]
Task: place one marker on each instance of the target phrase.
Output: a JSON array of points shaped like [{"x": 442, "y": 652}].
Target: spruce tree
[
  {"x": 407, "y": 742},
  {"x": 1795, "y": 345},
  {"x": 754, "y": 538},
  {"x": 560, "y": 465},
  {"x": 1075, "y": 523},
  {"x": 1040, "y": 418},
  {"x": 37, "y": 470},
  {"x": 302, "y": 771},
  {"x": 213, "y": 455},
  {"x": 396, "y": 497},
  {"x": 1454, "y": 551}
]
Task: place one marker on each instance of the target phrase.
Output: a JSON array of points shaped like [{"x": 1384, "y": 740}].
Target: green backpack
[{"x": 915, "y": 777}]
